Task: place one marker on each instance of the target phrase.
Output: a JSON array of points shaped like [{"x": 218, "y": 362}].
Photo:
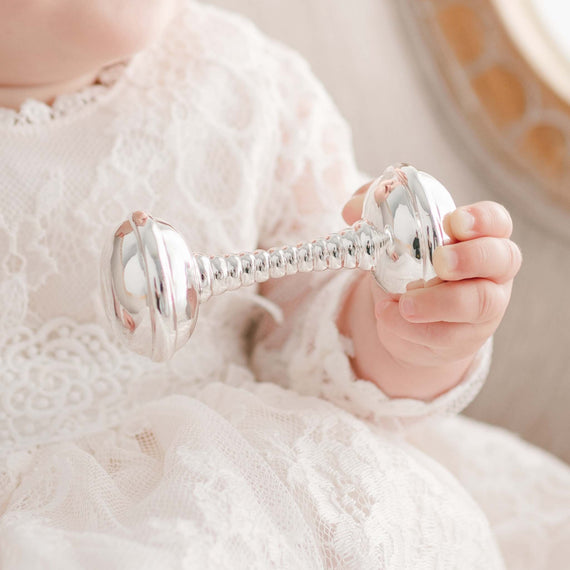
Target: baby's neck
[{"x": 12, "y": 96}]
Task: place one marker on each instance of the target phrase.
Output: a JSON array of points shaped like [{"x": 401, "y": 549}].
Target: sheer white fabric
[
  {"x": 525, "y": 492},
  {"x": 110, "y": 461}
]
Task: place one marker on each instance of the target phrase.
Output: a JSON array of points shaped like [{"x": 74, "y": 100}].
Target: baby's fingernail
[
  {"x": 407, "y": 306},
  {"x": 466, "y": 220},
  {"x": 448, "y": 258}
]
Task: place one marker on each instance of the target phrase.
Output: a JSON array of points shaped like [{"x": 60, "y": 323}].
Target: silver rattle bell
[{"x": 153, "y": 284}]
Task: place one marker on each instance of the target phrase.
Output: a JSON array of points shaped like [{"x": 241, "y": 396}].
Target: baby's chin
[
  {"x": 67, "y": 39},
  {"x": 130, "y": 29}
]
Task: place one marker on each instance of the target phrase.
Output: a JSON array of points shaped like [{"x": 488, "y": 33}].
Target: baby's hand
[
  {"x": 457, "y": 316},
  {"x": 433, "y": 333}
]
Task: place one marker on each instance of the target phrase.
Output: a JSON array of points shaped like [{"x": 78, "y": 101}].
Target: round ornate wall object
[{"x": 503, "y": 86}]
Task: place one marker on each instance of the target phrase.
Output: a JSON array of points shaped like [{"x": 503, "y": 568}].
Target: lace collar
[{"x": 34, "y": 112}]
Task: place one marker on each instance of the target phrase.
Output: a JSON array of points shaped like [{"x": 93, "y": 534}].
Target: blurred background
[{"x": 476, "y": 92}]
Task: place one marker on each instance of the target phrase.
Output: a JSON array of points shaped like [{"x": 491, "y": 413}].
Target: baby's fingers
[
  {"x": 426, "y": 343},
  {"x": 491, "y": 258},
  {"x": 473, "y": 301},
  {"x": 478, "y": 220}
]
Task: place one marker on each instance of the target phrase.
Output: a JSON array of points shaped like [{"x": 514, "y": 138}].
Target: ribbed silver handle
[
  {"x": 153, "y": 283},
  {"x": 356, "y": 246}
]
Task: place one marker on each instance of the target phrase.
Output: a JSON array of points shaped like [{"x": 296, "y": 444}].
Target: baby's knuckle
[
  {"x": 503, "y": 294},
  {"x": 486, "y": 301},
  {"x": 514, "y": 257},
  {"x": 478, "y": 255}
]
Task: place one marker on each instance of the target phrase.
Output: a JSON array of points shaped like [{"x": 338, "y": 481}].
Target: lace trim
[
  {"x": 34, "y": 112},
  {"x": 62, "y": 380}
]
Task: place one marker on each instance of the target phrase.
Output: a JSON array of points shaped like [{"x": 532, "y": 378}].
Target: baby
[
  {"x": 111, "y": 461},
  {"x": 418, "y": 347}
]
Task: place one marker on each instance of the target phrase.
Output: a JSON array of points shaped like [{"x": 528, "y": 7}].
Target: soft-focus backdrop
[{"x": 361, "y": 50}]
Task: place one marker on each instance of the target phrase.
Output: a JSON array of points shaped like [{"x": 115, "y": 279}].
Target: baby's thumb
[{"x": 352, "y": 211}]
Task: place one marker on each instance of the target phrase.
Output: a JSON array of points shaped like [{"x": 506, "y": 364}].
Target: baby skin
[
  {"x": 60, "y": 46},
  {"x": 420, "y": 345},
  {"x": 416, "y": 347}
]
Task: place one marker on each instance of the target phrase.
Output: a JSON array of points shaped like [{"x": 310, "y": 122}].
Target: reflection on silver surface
[
  {"x": 153, "y": 284},
  {"x": 411, "y": 213},
  {"x": 148, "y": 276}
]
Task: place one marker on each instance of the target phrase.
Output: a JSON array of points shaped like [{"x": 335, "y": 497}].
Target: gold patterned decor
[{"x": 515, "y": 120}]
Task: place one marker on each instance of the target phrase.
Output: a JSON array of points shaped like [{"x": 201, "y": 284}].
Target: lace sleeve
[{"x": 314, "y": 174}]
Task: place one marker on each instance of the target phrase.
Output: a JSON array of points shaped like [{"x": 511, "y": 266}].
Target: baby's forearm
[{"x": 397, "y": 378}]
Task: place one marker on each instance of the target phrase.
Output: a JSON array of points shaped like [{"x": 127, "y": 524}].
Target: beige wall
[{"x": 358, "y": 49}]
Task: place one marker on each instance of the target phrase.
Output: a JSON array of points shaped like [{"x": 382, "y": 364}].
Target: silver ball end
[
  {"x": 409, "y": 205},
  {"x": 148, "y": 276}
]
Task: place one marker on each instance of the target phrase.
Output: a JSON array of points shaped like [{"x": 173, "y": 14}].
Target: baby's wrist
[{"x": 374, "y": 362}]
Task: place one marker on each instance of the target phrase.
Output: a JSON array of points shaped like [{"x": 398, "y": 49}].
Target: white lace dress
[{"x": 239, "y": 453}]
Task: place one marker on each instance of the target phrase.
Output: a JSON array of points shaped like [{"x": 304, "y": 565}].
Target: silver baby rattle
[{"x": 153, "y": 284}]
